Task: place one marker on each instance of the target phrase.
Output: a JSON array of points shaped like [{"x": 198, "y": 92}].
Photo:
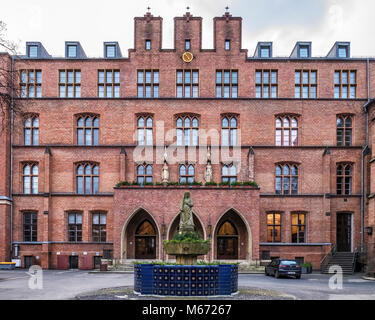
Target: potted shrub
[{"x": 306, "y": 267}]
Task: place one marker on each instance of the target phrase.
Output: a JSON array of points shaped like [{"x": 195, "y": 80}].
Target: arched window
[
  {"x": 229, "y": 131},
  {"x": 344, "y": 130},
  {"x": 144, "y": 131},
  {"x": 187, "y": 129},
  {"x": 273, "y": 227},
  {"x": 88, "y": 131},
  {"x": 87, "y": 176},
  {"x": 298, "y": 228},
  {"x": 187, "y": 173},
  {"x": 30, "y": 178},
  {"x": 144, "y": 174},
  {"x": 286, "y": 179},
  {"x": 286, "y": 131},
  {"x": 31, "y": 131},
  {"x": 229, "y": 173},
  {"x": 344, "y": 179}
]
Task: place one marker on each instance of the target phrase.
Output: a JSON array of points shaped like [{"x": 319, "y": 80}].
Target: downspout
[
  {"x": 11, "y": 157},
  {"x": 364, "y": 152}
]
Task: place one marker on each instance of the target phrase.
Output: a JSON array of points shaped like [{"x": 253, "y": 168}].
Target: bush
[
  {"x": 211, "y": 183},
  {"x": 306, "y": 265}
]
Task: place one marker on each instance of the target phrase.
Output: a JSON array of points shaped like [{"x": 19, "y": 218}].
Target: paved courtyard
[{"x": 58, "y": 284}]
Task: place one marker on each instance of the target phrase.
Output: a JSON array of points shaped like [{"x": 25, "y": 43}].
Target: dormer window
[
  {"x": 72, "y": 51},
  {"x": 227, "y": 45},
  {"x": 265, "y": 52},
  {"x": 110, "y": 51},
  {"x": 32, "y": 51},
  {"x": 187, "y": 44},
  {"x": 148, "y": 45},
  {"x": 304, "y": 52},
  {"x": 342, "y": 51}
]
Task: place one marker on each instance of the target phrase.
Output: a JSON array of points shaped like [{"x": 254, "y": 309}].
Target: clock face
[{"x": 187, "y": 56}]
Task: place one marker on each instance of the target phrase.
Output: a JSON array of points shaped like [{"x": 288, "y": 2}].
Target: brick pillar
[{"x": 122, "y": 164}]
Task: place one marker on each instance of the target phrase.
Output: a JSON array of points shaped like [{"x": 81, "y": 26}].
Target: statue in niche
[{"x": 208, "y": 172}]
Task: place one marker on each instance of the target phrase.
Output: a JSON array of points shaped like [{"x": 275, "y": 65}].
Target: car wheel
[
  {"x": 265, "y": 272},
  {"x": 277, "y": 275}
]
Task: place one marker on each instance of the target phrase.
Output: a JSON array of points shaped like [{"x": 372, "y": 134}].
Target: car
[{"x": 283, "y": 267}]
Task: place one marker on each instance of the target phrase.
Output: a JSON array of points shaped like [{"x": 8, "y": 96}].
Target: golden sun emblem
[{"x": 187, "y": 56}]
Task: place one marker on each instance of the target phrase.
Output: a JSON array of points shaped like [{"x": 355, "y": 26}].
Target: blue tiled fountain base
[{"x": 180, "y": 280}]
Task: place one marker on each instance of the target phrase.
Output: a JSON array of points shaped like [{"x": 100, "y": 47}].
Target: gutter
[{"x": 364, "y": 153}]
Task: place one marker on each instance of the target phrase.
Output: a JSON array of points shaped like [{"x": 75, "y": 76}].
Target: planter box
[
  {"x": 306, "y": 270},
  {"x": 7, "y": 265}
]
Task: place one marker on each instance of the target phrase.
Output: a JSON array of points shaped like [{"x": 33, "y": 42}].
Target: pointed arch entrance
[
  {"x": 140, "y": 237},
  {"x": 232, "y": 238}
]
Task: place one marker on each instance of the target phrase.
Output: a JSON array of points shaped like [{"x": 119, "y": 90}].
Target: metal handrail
[{"x": 331, "y": 253}]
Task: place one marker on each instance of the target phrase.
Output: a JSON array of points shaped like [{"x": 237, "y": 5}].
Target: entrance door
[
  {"x": 344, "y": 232},
  {"x": 28, "y": 261},
  {"x": 145, "y": 248},
  {"x": 97, "y": 262},
  {"x": 227, "y": 242},
  {"x": 145, "y": 241},
  {"x": 73, "y": 262}
]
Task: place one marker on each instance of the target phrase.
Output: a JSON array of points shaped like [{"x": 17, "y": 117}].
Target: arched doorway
[
  {"x": 140, "y": 237},
  {"x": 231, "y": 237},
  {"x": 145, "y": 241},
  {"x": 227, "y": 241}
]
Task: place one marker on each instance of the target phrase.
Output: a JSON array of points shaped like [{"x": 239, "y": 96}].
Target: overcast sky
[{"x": 282, "y": 21}]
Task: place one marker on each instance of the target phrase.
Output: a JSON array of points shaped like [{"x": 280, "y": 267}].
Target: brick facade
[{"x": 316, "y": 154}]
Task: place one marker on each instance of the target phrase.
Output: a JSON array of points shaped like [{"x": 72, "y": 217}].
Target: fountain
[{"x": 186, "y": 278}]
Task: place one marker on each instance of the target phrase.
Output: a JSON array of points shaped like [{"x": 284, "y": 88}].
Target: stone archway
[
  {"x": 141, "y": 237},
  {"x": 232, "y": 237}
]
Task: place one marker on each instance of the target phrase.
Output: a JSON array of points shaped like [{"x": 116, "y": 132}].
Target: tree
[{"x": 9, "y": 92}]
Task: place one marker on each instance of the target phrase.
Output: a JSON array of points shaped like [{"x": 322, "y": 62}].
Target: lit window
[{"x": 273, "y": 227}]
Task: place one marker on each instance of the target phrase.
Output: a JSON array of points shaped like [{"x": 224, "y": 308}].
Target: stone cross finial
[
  {"x": 227, "y": 8},
  {"x": 148, "y": 9}
]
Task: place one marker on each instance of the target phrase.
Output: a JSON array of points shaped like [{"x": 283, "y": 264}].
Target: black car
[{"x": 281, "y": 267}]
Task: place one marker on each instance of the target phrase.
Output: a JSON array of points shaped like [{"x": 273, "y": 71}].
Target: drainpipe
[
  {"x": 11, "y": 157},
  {"x": 364, "y": 152}
]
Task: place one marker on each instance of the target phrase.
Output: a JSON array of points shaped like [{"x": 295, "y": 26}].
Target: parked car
[{"x": 283, "y": 267}]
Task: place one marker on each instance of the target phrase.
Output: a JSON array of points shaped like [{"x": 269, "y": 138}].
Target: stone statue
[
  {"x": 165, "y": 173},
  {"x": 208, "y": 173},
  {"x": 186, "y": 214}
]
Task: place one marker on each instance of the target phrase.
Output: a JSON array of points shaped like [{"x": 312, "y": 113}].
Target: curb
[{"x": 368, "y": 278}]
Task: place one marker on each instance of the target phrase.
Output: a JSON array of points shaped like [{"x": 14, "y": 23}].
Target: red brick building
[{"x": 301, "y": 127}]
